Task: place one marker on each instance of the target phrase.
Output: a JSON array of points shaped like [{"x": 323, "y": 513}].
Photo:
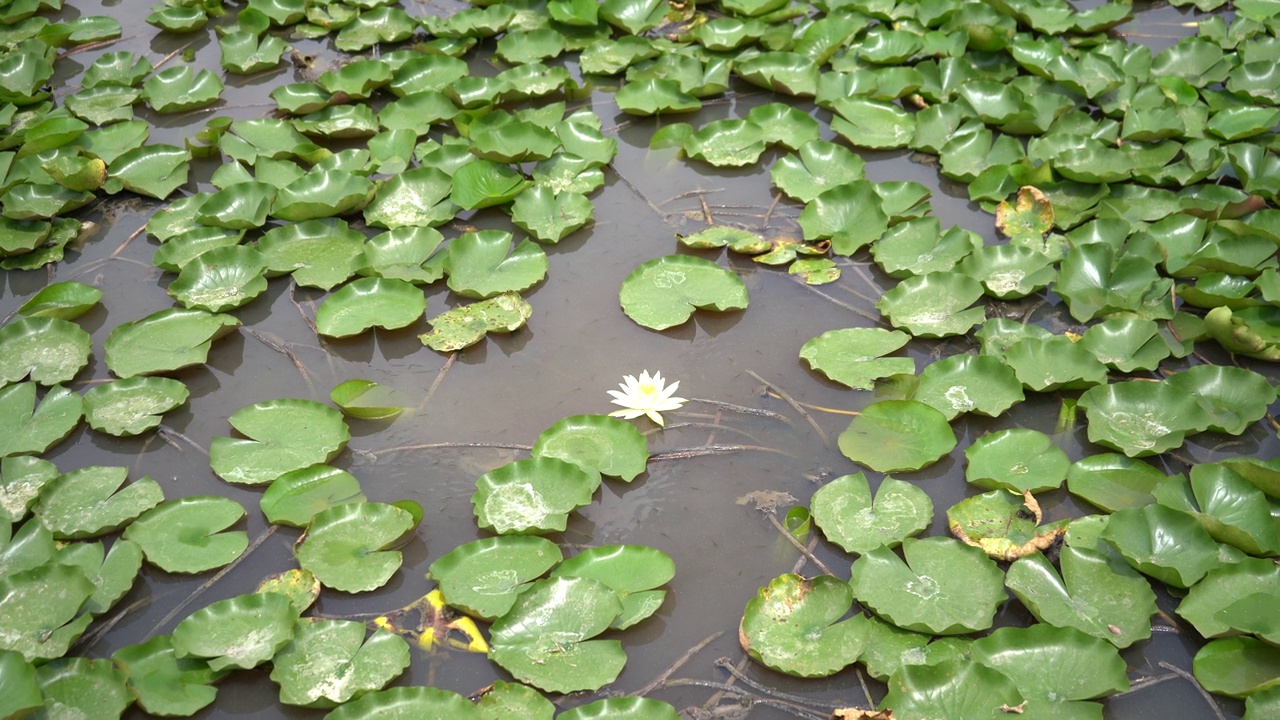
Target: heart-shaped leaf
[
  {"x": 848, "y": 517},
  {"x": 791, "y": 626},
  {"x": 665, "y": 291}
]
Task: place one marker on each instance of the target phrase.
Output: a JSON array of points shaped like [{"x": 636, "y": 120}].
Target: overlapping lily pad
[
  {"x": 791, "y": 626},
  {"x": 850, "y": 518}
]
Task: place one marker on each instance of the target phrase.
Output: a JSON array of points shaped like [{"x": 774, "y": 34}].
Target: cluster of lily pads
[{"x": 1136, "y": 186}]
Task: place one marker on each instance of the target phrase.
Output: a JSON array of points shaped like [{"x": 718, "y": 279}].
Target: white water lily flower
[{"x": 647, "y": 396}]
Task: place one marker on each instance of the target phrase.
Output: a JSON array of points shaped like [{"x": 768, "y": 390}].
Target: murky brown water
[{"x": 577, "y": 345}]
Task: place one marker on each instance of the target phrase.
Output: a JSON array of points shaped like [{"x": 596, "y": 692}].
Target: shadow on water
[{"x": 694, "y": 506}]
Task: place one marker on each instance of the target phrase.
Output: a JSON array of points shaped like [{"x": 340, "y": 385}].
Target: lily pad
[
  {"x": 955, "y": 687},
  {"x": 1213, "y": 604},
  {"x": 283, "y": 435},
  {"x": 423, "y": 703},
  {"x": 239, "y": 632},
  {"x": 897, "y": 435},
  {"x": 596, "y": 443},
  {"x": 164, "y": 684},
  {"x": 1055, "y": 667},
  {"x": 533, "y": 495},
  {"x": 178, "y": 89},
  {"x": 633, "y": 571},
  {"x": 503, "y": 699},
  {"x": 980, "y": 384},
  {"x": 1051, "y": 363},
  {"x": 850, "y": 215},
  {"x": 468, "y": 324},
  {"x": 42, "y": 610},
  {"x": 853, "y": 356},
  {"x": 1226, "y": 505},
  {"x": 945, "y": 587},
  {"x": 84, "y": 686},
  {"x": 1237, "y": 666},
  {"x": 484, "y": 577},
  {"x": 483, "y": 264},
  {"x": 1114, "y": 482},
  {"x": 167, "y": 340},
  {"x": 1141, "y": 418},
  {"x": 345, "y": 545},
  {"x": 366, "y": 400},
  {"x": 816, "y": 167},
  {"x": 1017, "y": 459},
  {"x": 934, "y": 305},
  {"x": 295, "y": 497},
  {"x": 66, "y": 300},
  {"x": 622, "y": 708},
  {"x": 48, "y": 349},
  {"x": 1003, "y": 525},
  {"x": 1233, "y": 397},
  {"x": 91, "y": 501},
  {"x": 550, "y": 216},
  {"x": 223, "y": 278},
  {"x": 1126, "y": 343},
  {"x": 132, "y": 406},
  {"x": 320, "y": 253},
  {"x": 152, "y": 170},
  {"x": 727, "y": 143},
  {"x": 21, "y": 479},
  {"x": 1164, "y": 543},
  {"x": 791, "y": 626},
  {"x": 368, "y": 303},
  {"x": 484, "y": 183},
  {"x": 329, "y": 662},
  {"x": 26, "y": 427},
  {"x": 848, "y": 517},
  {"x": 665, "y": 291},
  {"x": 545, "y": 639}
]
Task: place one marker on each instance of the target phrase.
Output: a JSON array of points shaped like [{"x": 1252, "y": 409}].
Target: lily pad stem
[{"x": 799, "y": 546}]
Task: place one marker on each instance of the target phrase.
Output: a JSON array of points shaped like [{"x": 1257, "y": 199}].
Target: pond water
[{"x": 480, "y": 408}]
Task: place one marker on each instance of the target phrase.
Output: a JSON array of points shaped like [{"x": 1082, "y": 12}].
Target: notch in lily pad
[{"x": 664, "y": 292}]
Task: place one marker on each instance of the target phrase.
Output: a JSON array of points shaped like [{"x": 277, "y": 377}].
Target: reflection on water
[{"x": 505, "y": 391}]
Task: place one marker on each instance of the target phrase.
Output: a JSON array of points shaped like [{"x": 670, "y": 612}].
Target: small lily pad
[
  {"x": 791, "y": 626},
  {"x": 346, "y": 545},
  {"x": 132, "y": 406},
  {"x": 665, "y": 291},
  {"x": 185, "y": 536},
  {"x": 897, "y": 435},
  {"x": 633, "y": 571},
  {"x": 295, "y": 497},
  {"x": 483, "y": 264},
  {"x": 366, "y": 400},
  {"x": 848, "y": 517},
  {"x": 484, "y": 577}
]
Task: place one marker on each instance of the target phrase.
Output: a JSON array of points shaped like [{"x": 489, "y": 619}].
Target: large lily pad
[
  {"x": 665, "y": 291},
  {"x": 791, "y": 626},
  {"x": 91, "y": 501},
  {"x": 1018, "y": 459},
  {"x": 484, "y": 577},
  {"x": 166, "y": 340},
  {"x": 1113, "y": 481},
  {"x": 185, "y": 536},
  {"x": 1164, "y": 543},
  {"x": 240, "y": 632},
  {"x": 48, "y": 349},
  {"x": 483, "y": 264},
  {"x": 400, "y": 703},
  {"x": 853, "y": 356},
  {"x": 934, "y": 305},
  {"x": 26, "y": 427},
  {"x": 633, "y": 571},
  {"x": 848, "y": 517},
  {"x": 346, "y": 545},
  {"x": 1228, "y": 594},
  {"x": 897, "y": 435},
  {"x": 1238, "y": 666},
  {"x": 132, "y": 406},
  {"x": 329, "y": 662},
  {"x": 223, "y": 278},
  {"x": 596, "y": 443},
  {"x": 945, "y": 587},
  {"x": 545, "y": 639},
  {"x": 1055, "y": 668},
  {"x": 282, "y": 435},
  {"x": 955, "y": 687},
  {"x": 41, "y": 607},
  {"x": 1141, "y": 418},
  {"x": 960, "y": 384},
  {"x": 533, "y": 495},
  {"x": 368, "y": 303}
]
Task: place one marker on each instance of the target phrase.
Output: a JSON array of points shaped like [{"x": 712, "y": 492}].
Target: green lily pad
[
  {"x": 366, "y": 399},
  {"x": 1017, "y": 459},
  {"x": 1050, "y": 363},
  {"x": 853, "y": 356},
  {"x": 28, "y": 428},
  {"x": 1254, "y": 332},
  {"x": 283, "y": 435},
  {"x": 1226, "y": 505},
  {"x": 132, "y": 406},
  {"x": 897, "y": 435},
  {"x": 183, "y": 536},
  {"x": 112, "y": 573},
  {"x": 48, "y": 349},
  {"x": 468, "y": 324},
  {"x": 1233, "y": 397},
  {"x": 816, "y": 167},
  {"x": 295, "y": 497},
  {"x": 955, "y": 687},
  {"x": 848, "y": 517},
  {"x": 918, "y": 247},
  {"x": 483, "y": 264},
  {"x": 419, "y": 197},
  {"x": 1058, "y": 667},
  {"x": 633, "y": 571},
  {"x": 245, "y": 53},
  {"x": 1126, "y": 344},
  {"x": 484, "y": 183},
  {"x": 1094, "y": 282},
  {"x": 484, "y": 577},
  {"x": 239, "y": 632},
  {"x": 960, "y": 384},
  {"x": 222, "y": 278},
  {"x": 1164, "y": 543},
  {"x": 533, "y": 495},
  {"x": 345, "y": 545},
  {"x": 165, "y": 684},
  {"x": 66, "y": 300},
  {"x": 379, "y": 25},
  {"x": 652, "y": 96},
  {"x": 367, "y": 303},
  {"x": 82, "y": 686},
  {"x": 934, "y": 305},
  {"x": 91, "y": 501},
  {"x": 622, "y": 708},
  {"x": 1003, "y": 524},
  {"x": 1114, "y": 482},
  {"x": 1095, "y": 594},
  {"x": 402, "y": 254},
  {"x": 945, "y": 587},
  {"x": 596, "y": 443},
  {"x": 21, "y": 479},
  {"x": 166, "y": 340},
  {"x": 178, "y": 89},
  {"x": 329, "y": 662},
  {"x": 241, "y": 206},
  {"x": 1008, "y": 271},
  {"x": 322, "y": 194},
  {"x": 872, "y": 124},
  {"x": 1237, "y": 666},
  {"x": 727, "y": 143},
  {"x": 41, "y": 607},
  {"x": 791, "y": 626},
  {"x": 550, "y": 216},
  {"x": 665, "y": 291},
  {"x": 545, "y": 639},
  {"x": 1141, "y": 418},
  {"x": 503, "y": 699},
  {"x": 1215, "y": 603},
  {"x": 850, "y": 215},
  {"x": 320, "y": 253},
  {"x": 152, "y": 170},
  {"x": 424, "y": 703}
]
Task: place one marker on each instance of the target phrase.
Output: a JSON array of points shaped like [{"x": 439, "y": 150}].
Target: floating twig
[
  {"x": 799, "y": 545},
  {"x": 257, "y": 542},
  {"x": 431, "y": 391},
  {"x": 712, "y": 426},
  {"x": 282, "y": 347},
  {"x": 811, "y": 406},
  {"x": 453, "y": 446},
  {"x": 727, "y": 665},
  {"x": 680, "y": 661},
  {"x": 826, "y": 441},
  {"x": 744, "y": 410},
  {"x": 172, "y": 437},
  {"x": 1217, "y": 711},
  {"x": 799, "y": 711},
  {"x": 684, "y": 453}
]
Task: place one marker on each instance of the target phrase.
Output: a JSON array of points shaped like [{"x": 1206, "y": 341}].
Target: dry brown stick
[
  {"x": 88, "y": 640},
  {"x": 851, "y": 308},
  {"x": 728, "y": 687},
  {"x": 679, "y": 663},
  {"x": 170, "y": 56},
  {"x": 712, "y": 426},
  {"x": 804, "y": 557},
  {"x": 1217, "y": 711},
  {"x": 744, "y": 410},
  {"x": 799, "y": 546},
  {"x": 768, "y": 214},
  {"x": 172, "y": 436},
  {"x": 128, "y": 240},
  {"x": 85, "y": 47},
  {"x": 257, "y": 542},
  {"x": 727, "y": 665},
  {"x": 454, "y": 446},
  {"x": 706, "y": 211},
  {"x": 431, "y": 391},
  {"x": 283, "y": 348},
  {"x": 1143, "y": 683},
  {"x": 685, "y": 453},
  {"x": 826, "y": 441},
  {"x": 866, "y": 692}
]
